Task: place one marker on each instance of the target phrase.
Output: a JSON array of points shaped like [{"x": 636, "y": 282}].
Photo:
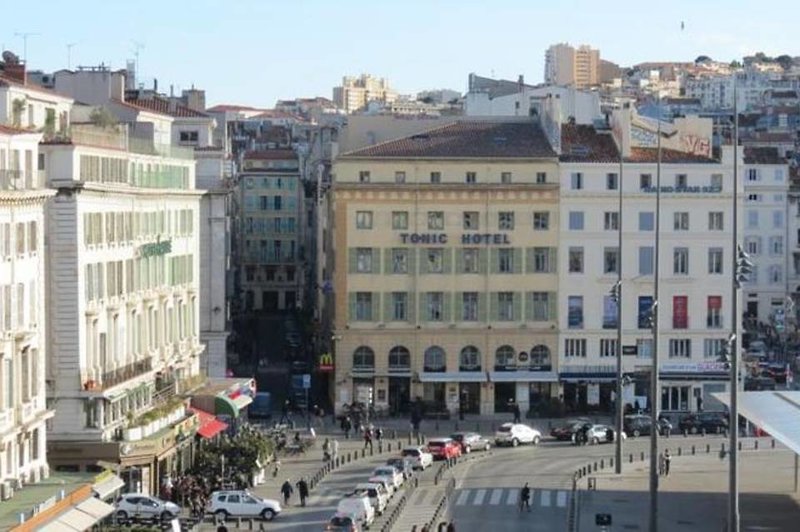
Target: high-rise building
[
  {"x": 566, "y": 65},
  {"x": 355, "y": 93}
]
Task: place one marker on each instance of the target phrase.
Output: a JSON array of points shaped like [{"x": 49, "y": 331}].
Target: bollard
[
  {"x": 722, "y": 449},
  {"x": 708, "y": 448},
  {"x": 679, "y": 451},
  {"x": 602, "y": 464},
  {"x": 389, "y": 447},
  {"x": 363, "y": 453},
  {"x": 631, "y": 458},
  {"x": 755, "y": 444},
  {"x": 583, "y": 470},
  {"x": 409, "y": 437},
  {"x": 642, "y": 456},
  {"x": 394, "y": 434},
  {"x": 773, "y": 443},
  {"x": 693, "y": 450},
  {"x": 740, "y": 446},
  {"x": 595, "y": 467},
  {"x": 610, "y": 462}
]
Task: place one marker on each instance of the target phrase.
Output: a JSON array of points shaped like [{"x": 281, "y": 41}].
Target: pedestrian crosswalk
[{"x": 510, "y": 497}]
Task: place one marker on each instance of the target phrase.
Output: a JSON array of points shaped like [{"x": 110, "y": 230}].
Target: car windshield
[
  {"x": 341, "y": 521},
  {"x": 436, "y": 444},
  {"x": 410, "y": 452},
  {"x": 458, "y": 437},
  {"x": 504, "y": 428}
]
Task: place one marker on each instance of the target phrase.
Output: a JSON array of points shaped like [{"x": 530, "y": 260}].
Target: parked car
[
  {"x": 443, "y": 448},
  {"x": 515, "y": 433},
  {"x": 394, "y": 476},
  {"x": 403, "y": 464},
  {"x": 359, "y": 507},
  {"x": 712, "y": 422},
  {"x": 639, "y": 425},
  {"x": 566, "y": 430},
  {"x": 420, "y": 456},
  {"x": 600, "y": 434},
  {"x": 242, "y": 503},
  {"x": 756, "y": 384},
  {"x": 387, "y": 484},
  {"x": 378, "y": 496},
  {"x": 344, "y": 522},
  {"x": 138, "y": 506},
  {"x": 471, "y": 441}
]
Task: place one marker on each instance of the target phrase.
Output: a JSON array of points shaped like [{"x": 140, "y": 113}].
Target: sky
[{"x": 254, "y": 52}]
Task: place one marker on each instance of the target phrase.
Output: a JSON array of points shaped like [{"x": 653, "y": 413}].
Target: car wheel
[
  {"x": 167, "y": 516},
  {"x": 535, "y": 440},
  {"x": 595, "y": 440},
  {"x": 268, "y": 514},
  {"x": 693, "y": 430},
  {"x": 122, "y": 515},
  {"x": 636, "y": 433},
  {"x": 221, "y": 515},
  {"x": 514, "y": 442}
]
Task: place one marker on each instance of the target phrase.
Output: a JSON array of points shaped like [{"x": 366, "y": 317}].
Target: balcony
[
  {"x": 120, "y": 375},
  {"x": 118, "y": 138}
]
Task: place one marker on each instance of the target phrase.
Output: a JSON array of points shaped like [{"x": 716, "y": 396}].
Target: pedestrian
[
  {"x": 287, "y": 490},
  {"x": 661, "y": 464},
  {"x": 276, "y": 469},
  {"x": 525, "y": 497},
  {"x": 335, "y": 448},
  {"x": 368, "y": 438},
  {"x": 302, "y": 490},
  {"x": 285, "y": 413},
  {"x": 347, "y": 425},
  {"x": 379, "y": 437},
  {"x": 452, "y": 526},
  {"x": 667, "y": 460},
  {"x": 517, "y": 413},
  {"x": 326, "y": 450}
]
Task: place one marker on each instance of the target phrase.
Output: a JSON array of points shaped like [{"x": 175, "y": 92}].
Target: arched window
[
  {"x": 540, "y": 355},
  {"x": 364, "y": 359},
  {"x": 435, "y": 359},
  {"x": 399, "y": 359},
  {"x": 504, "y": 358},
  {"x": 470, "y": 359}
]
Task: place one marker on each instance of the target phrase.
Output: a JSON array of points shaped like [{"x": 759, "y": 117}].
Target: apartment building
[
  {"x": 356, "y": 92},
  {"x": 567, "y": 65},
  {"x": 444, "y": 280}
]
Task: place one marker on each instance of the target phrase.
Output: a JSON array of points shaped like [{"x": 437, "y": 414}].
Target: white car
[
  {"x": 241, "y": 503},
  {"x": 377, "y": 494},
  {"x": 515, "y": 433},
  {"x": 389, "y": 472},
  {"x": 359, "y": 506},
  {"x": 599, "y": 434},
  {"x": 138, "y": 506},
  {"x": 419, "y": 456}
]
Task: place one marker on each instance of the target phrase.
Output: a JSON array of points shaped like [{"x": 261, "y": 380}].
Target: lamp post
[{"x": 617, "y": 293}]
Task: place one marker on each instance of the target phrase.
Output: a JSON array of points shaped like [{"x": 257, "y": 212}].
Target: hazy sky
[{"x": 257, "y": 51}]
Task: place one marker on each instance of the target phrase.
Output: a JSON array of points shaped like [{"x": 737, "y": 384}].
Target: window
[
  {"x": 681, "y": 222},
  {"x": 399, "y": 306},
  {"x": 399, "y": 177},
  {"x": 610, "y": 260},
  {"x": 435, "y": 359},
  {"x": 471, "y": 221},
  {"x": 645, "y": 181},
  {"x": 575, "y": 312},
  {"x": 776, "y": 245},
  {"x": 363, "y": 359},
  {"x": 504, "y": 358},
  {"x": 434, "y": 260},
  {"x": 646, "y": 221},
  {"x": 644, "y": 348},
  {"x": 364, "y": 220},
  {"x": 712, "y": 347},
  {"x": 470, "y": 359},
  {"x": 436, "y": 220},
  {"x": 400, "y": 220},
  {"x": 364, "y": 260},
  {"x": 777, "y": 219},
  {"x": 715, "y": 221},
  {"x": 505, "y": 306},
  {"x": 541, "y": 178},
  {"x": 610, "y": 311},
  {"x": 715, "y": 261},
  {"x": 540, "y": 357},
  {"x": 680, "y": 348},
  {"x": 469, "y": 306},
  {"x": 469, "y": 260},
  {"x": 645, "y": 314},
  {"x": 399, "y": 260},
  {"x": 471, "y": 178},
  {"x": 576, "y": 260},
  {"x": 363, "y": 176},
  {"x": 775, "y": 274},
  {"x": 435, "y": 306},
  {"x": 575, "y": 347},
  {"x": 399, "y": 359},
  {"x": 752, "y": 219},
  {"x": 541, "y": 221},
  {"x": 576, "y": 220},
  {"x": 608, "y": 347},
  {"x": 505, "y": 221},
  {"x": 680, "y": 261},
  {"x": 436, "y": 177},
  {"x": 753, "y": 174},
  {"x": 577, "y": 181},
  {"x": 645, "y": 260},
  {"x": 363, "y": 306},
  {"x": 716, "y": 182},
  {"x": 505, "y": 177},
  {"x": 505, "y": 260},
  {"x": 714, "y": 312},
  {"x": 611, "y": 221},
  {"x": 680, "y": 312},
  {"x": 612, "y": 181},
  {"x": 681, "y": 181},
  {"x": 541, "y": 306},
  {"x": 541, "y": 260},
  {"x": 754, "y": 197},
  {"x": 186, "y": 136}
]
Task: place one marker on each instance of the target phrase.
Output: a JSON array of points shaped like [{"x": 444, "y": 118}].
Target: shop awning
[
  {"x": 108, "y": 486},
  {"x": 210, "y": 426},
  {"x": 225, "y": 406},
  {"x": 80, "y": 517},
  {"x": 590, "y": 377},
  {"x": 454, "y": 376},
  {"x": 523, "y": 376},
  {"x": 242, "y": 401},
  {"x": 95, "y": 508}
]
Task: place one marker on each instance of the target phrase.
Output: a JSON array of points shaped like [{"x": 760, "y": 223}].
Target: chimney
[{"x": 16, "y": 72}]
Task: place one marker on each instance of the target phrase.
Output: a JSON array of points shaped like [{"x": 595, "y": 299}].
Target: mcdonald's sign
[{"x": 325, "y": 362}]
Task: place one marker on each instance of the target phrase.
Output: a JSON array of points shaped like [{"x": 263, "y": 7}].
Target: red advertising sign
[{"x": 680, "y": 312}]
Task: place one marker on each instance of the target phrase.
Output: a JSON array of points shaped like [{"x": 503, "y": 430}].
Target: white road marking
[
  {"x": 545, "y": 498},
  {"x": 561, "y": 499},
  {"x": 462, "y": 498},
  {"x": 479, "y": 495},
  {"x": 513, "y": 497},
  {"x": 496, "y": 496}
]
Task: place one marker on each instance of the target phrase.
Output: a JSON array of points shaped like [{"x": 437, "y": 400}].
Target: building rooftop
[
  {"x": 34, "y": 495},
  {"x": 273, "y": 155},
  {"x": 164, "y": 107},
  {"x": 467, "y": 139},
  {"x": 583, "y": 143},
  {"x": 668, "y": 156},
  {"x": 765, "y": 155},
  {"x": 223, "y": 107}
]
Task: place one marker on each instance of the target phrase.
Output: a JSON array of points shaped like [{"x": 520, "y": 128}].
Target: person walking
[
  {"x": 517, "y": 413},
  {"x": 379, "y": 438},
  {"x": 302, "y": 490},
  {"x": 326, "y": 450},
  {"x": 525, "y": 497},
  {"x": 667, "y": 461},
  {"x": 347, "y": 425},
  {"x": 451, "y": 527},
  {"x": 368, "y": 439},
  {"x": 661, "y": 464},
  {"x": 287, "y": 490}
]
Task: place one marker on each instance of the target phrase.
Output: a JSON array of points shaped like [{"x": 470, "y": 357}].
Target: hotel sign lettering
[
  {"x": 684, "y": 190},
  {"x": 499, "y": 239},
  {"x": 161, "y": 247}
]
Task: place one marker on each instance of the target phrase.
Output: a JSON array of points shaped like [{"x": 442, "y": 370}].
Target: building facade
[
  {"x": 356, "y": 92},
  {"x": 567, "y": 65},
  {"x": 444, "y": 279}
]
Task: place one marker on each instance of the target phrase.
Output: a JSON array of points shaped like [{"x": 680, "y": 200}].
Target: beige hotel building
[{"x": 444, "y": 273}]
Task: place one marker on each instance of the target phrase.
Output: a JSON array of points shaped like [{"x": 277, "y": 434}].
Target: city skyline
[{"x": 255, "y": 66}]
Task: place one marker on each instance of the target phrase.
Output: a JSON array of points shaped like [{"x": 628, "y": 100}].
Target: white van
[
  {"x": 385, "y": 482},
  {"x": 359, "y": 506},
  {"x": 377, "y": 494}
]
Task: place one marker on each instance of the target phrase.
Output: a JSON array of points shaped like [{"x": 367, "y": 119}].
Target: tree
[
  {"x": 102, "y": 117},
  {"x": 735, "y": 64},
  {"x": 702, "y": 59},
  {"x": 785, "y": 61}
]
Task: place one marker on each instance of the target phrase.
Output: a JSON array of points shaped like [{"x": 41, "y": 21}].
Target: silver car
[
  {"x": 138, "y": 506},
  {"x": 600, "y": 434}
]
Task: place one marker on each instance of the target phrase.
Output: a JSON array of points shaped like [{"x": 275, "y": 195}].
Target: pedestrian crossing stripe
[{"x": 510, "y": 497}]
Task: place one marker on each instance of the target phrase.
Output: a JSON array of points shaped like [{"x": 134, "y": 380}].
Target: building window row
[
  {"x": 468, "y": 177},
  {"x": 402, "y": 261},
  {"x": 469, "y": 221},
  {"x": 270, "y": 225},
  {"x": 280, "y": 202},
  {"x": 469, "y": 359},
  {"x": 19, "y": 306},
  {"x": 680, "y": 312},
  {"x": 646, "y": 221},
  {"x": 96, "y": 169},
  {"x": 271, "y": 182},
  {"x": 117, "y": 278},
  {"x": 123, "y": 227},
  {"x": 20, "y": 239}
]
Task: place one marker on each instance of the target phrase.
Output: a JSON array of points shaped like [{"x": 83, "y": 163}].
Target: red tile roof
[
  {"x": 164, "y": 107},
  {"x": 6, "y": 82},
  {"x": 271, "y": 155},
  {"x": 582, "y": 143},
  {"x": 221, "y": 108},
  {"x": 765, "y": 155},
  {"x": 669, "y": 156},
  {"x": 467, "y": 139}
]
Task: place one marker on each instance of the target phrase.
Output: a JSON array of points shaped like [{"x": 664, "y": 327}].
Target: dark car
[
  {"x": 566, "y": 430},
  {"x": 639, "y": 425},
  {"x": 471, "y": 441},
  {"x": 711, "y": 422},
  {"x": 757, "y": 384}
]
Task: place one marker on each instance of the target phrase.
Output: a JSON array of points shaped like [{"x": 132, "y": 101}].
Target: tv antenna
[
  {"x": 69, "y": 54},
  {"x": 137, "y": 47},
  {"x": 25, "y": 35}
]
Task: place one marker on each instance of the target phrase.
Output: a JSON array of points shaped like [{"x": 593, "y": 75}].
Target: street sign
[{"x": 630, "y": 350}]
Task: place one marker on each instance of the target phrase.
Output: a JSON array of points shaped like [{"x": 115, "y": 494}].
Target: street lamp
[{"x": 616, "y": 296}]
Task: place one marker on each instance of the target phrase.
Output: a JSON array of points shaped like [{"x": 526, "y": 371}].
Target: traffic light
[{"x": 744, "y": 266}]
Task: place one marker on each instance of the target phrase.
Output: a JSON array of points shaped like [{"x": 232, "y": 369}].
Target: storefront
[
  {"x": 588, "y": 389},
  {"x": 450, "y": 391},
  {"x": 399, "y": 394},
  {"x": 528, "y": 388},
  {"x": 689, "y": 387}
]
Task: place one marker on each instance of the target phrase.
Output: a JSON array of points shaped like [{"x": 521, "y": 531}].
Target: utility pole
[
  {"x": 25, "y": 35},
  {"x": 69, "y": 54},
  {"x": 618, "y": 405}
]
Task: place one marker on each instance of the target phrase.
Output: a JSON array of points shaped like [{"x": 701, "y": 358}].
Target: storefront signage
[
  {"x": 701, "y": 367},
  {"x": 155, "y": 248},
  {"x": 630, "y": 349},
  {"x": 325, "y": 363},
  {"x": 684, "y": 190},
  {"x": 499, "y": 239}
]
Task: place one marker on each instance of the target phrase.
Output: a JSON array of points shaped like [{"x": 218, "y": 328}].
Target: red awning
[{"x": 210, "y": 426}]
